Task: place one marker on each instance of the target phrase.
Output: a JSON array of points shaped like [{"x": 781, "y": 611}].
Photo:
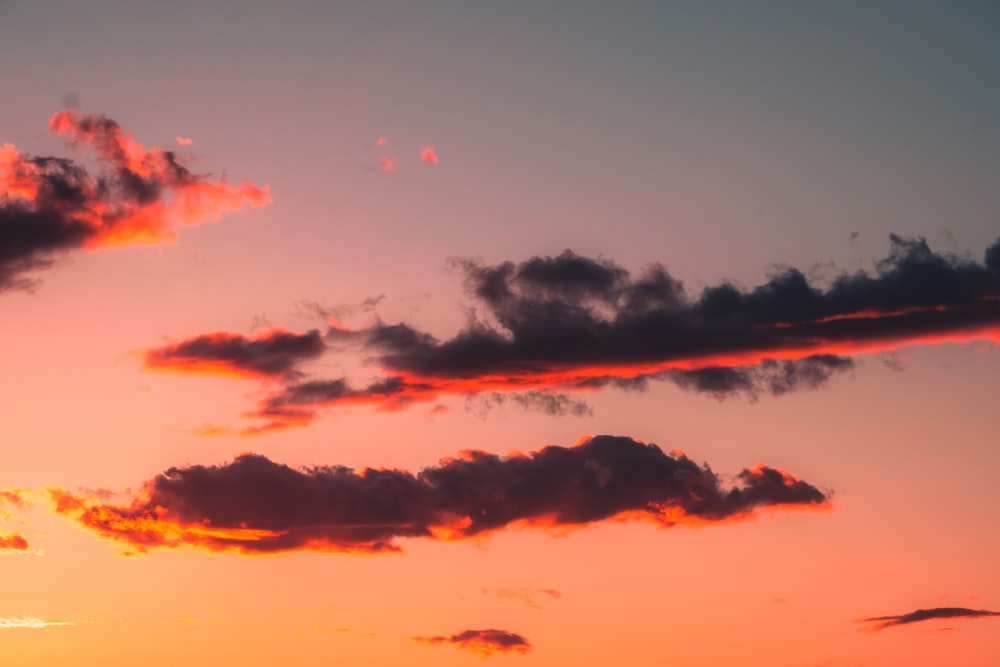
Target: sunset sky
[{"x": 551, "y": 333}]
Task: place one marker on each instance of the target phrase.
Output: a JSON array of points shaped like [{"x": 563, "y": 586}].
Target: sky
[{"x": 541, "y": 333}]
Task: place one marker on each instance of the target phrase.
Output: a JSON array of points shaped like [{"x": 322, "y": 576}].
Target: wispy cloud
[
  {"x": 254, "y": 505},
  {"x": 920, "y": 615},
  {"x": 532, "y": 597},
  {"x": 386, "y": 164},
  {"x": 183, "y": 141},
  {"x": 52, "y": 205},
  {"x": 484, "y": 642},
  {"x": 31, "y": 623}
]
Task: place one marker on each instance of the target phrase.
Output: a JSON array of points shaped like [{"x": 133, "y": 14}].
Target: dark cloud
[
  {"x": 536, "y": 401},
  {"x": 255, "y": 505},
  {"x": 882, "y": 622},
  {"x": 50, "y": 205},
  {"x": 549, "y": 326},
  {"x": 273, "y": 353},
  {"x": 486, "y": 642}
]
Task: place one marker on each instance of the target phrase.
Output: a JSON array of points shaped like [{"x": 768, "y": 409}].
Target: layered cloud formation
[
  {"x": 254, "y": 505},
  {"x": 552, "y": 325},
  {"x": 51, "y": 205}
]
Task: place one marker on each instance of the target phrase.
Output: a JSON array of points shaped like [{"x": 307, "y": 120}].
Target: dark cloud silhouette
[
  {"x": 485, "y": 642},
  {"x": 50, "y": 205},
  {"x": 273, "y": 353},
  {"x": 255, "y": 505},
  {"x": 536, "y": 401},
  {"x": 550, "y": 326},
  {"x": 882, "y": 622}
]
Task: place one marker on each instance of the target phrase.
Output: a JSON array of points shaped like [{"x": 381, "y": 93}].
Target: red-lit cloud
[
  {"x": 254, "y": 505},
  {"x": 381, "y": 142},
  {"x": 484, "y": 642},
  {"x": 50, "y": 205},
  {"x": 920, "y": 615},
  {"x": 13, "y": 542},
  {"x": 273, "y": 353},
  {"x": 183, "y": 141},
  {"x": 428, "y": 155},
  {"x": 552, "y": 326},
  {"x": 386, "y": 164}
]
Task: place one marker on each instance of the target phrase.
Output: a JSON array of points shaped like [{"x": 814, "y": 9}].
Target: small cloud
[
  {"x": 485, "y": 642},
  {"x": 14, "y": 542},
  {"x": 882, "y": 622},
  {"x": 530, "y": 596},
  {"x": 429, "y": 155},
  {"x": 386, "y": 164},
  {"x": 381, "y": 141},
  {"x": 184, "y": 141},
  {"x": 31, "y": 622}
]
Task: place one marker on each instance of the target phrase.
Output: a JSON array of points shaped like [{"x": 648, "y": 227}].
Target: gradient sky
[{"x": 406, "y": 146}]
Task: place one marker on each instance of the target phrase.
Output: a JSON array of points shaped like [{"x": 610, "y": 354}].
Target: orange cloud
[
  {"x": 184, "y": 141},
  {"x": 13, "y": 542},
  {"x": 381, "y": 141},
  {"x": 51, "y": 205},
  {"x": 428, "y": 155}
]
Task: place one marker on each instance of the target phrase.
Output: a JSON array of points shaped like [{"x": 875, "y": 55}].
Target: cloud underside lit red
[
  {"x": 483, "y": 642},
  {"x": 254, "y": 505},
  {"x": 50, "y": 205},
  {"x": 552, "y": 325}
]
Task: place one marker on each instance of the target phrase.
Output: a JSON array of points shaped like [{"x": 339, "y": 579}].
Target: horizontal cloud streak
[
  {"x": 273, "y": 353},
  {"x": 920, "y": 615},
  {"x": 50, "y": 205},
  {"x": 31, "y": 623},
  {"x": 254, "y": 505},
  {"x": 549, "y": 326},
  {"x": 484, "y": 642},
  {"x": 13, "y": 542}
]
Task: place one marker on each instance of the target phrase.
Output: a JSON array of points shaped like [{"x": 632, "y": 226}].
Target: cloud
[
  {"x": 381, "y": 141},
  {"x": 547, "y": 327},
  {"x": 183, "y": 141},
  {"x": 428, "y": 155},
  {"x": 51, "y": 205},
  {"x": 14, "y": 542},
  {"x": 485, "y": 642},
  {"x": 882, "y": 622},
  {"x": 273, "y": 353},
  {"x": 31, "y": 622},
  {"x": 529, "y": 596},
  {"x": 386, "y": 164},
  {"x": 254, "y": 505}
]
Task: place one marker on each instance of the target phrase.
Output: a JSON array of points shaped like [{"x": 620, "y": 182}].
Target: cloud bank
[
  {"x": 254, "y": 505},
  {"x": 550, "y": 326},
  {"x": 52, "y": 205}
]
